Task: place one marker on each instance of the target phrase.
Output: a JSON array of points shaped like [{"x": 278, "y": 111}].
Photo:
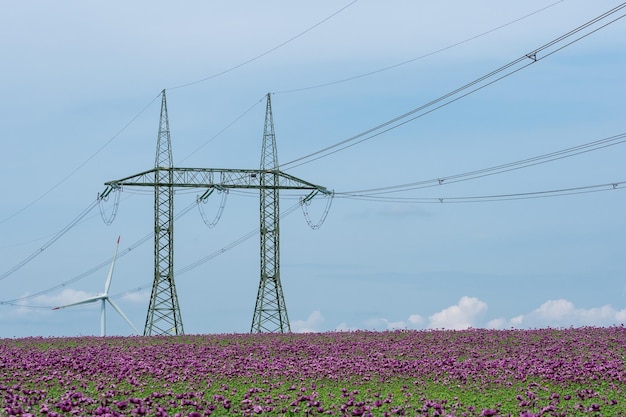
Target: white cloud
[
  {"x": 67, "y": 296},
  {"x": 344, "y": 327},
  {"x": 413, "y": 322},
  {"x": 310, "y": 325},
  {"x": 396, "y": 325},
  {"x": 563, "y": 313},
  {"x": 415, "y": 319},
  {"x": 463, "y": 315},
  {"x": 470, "y": 312},
  {"x": 496, "y": 323}
]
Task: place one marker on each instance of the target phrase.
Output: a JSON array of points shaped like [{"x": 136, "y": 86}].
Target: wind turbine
[{"x": 104, "y": 298}]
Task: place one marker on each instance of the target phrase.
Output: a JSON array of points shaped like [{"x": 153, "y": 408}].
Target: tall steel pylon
[
  {"x": 163, "y": 311},
  {"x": 270, "y": 311}
]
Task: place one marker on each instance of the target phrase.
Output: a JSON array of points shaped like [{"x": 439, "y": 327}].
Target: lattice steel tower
[
  {"x": 163, "y": 312},
  {"x": 270, "y": 312}
]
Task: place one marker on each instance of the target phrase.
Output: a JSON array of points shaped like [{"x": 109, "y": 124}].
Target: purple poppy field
[{"x": 546, "y": 372}]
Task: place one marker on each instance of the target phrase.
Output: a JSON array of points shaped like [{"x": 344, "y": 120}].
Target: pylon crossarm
[{"x": 215, "y": 178}]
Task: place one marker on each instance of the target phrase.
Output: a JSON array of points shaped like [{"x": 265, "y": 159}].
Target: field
[{"x": 549, "y": 372}]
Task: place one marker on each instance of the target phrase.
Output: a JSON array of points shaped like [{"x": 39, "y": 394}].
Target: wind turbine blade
[
  {"x": 107, "y": 284},
  {"x": 85, "y": 301},
  {"x": 121, "y": 313}
]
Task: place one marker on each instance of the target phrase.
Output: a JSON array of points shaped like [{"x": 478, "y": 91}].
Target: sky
[{"x": 81, "y": 84}]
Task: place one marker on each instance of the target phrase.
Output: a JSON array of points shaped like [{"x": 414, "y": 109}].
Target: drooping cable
[
  {"x": 494, "y": 197},
  {"x": 486, "y": 80},
  {"x": 264, "y": 53},
  {"x": 209, "y": 257},
  {"x": 104, "y": 264},
  {"x": 426, "y": 55},
  {"x": 498, "y": 169},
  {"x": 46, "y": 245},
  {"x": 223, "y": 130},
  {"x": 75, "y": 170}
]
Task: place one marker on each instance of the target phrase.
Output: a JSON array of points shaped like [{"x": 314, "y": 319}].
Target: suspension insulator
[
  {"x": 204, "y": 198},
  {"x": 306, "y": 201},
  {"x": 103, "y": 198}
]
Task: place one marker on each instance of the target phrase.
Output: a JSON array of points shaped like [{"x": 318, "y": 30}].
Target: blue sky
[{"x": 81, "y": 83}]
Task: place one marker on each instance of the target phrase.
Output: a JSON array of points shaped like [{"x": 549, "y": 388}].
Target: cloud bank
[{"x": 471, "y": 312}]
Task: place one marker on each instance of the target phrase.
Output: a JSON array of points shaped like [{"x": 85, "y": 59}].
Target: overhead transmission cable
[
  {"x": 159, "y": 95},
  {"x": 81, "y": 165},
  {"x": 212, "y": 255},
  {"x": 370, "y": 73},
  {"x": 264, "y": 53},
  {"x": 374, "y": 194},
  {"x": 93, "y": 270},
  {"x": 496, "y": 75},
  {"x": 426, "y": 55},
  {"x": 498, "y": 169},
  {"x": 224, "y": 129},
  {"x": 17, "y": 301},
  {"x": 46, "y": 245},
  {"x": 490, "y": 198}
]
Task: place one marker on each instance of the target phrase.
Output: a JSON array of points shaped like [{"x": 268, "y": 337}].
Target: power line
[
  {"x": 509, "y": 69},
  {"x": 264, "y": 53},
  {"x": 426, "y": 55},
  {"x": 58, "y": 184},
  {"x": 56, "y": 237},
  {"x": 491, "y": 198},
  {"x": 91, "y": 271},
  {"x": 498, "y": 169},
  {"x": 224, "y": 129},
  {"x": 16, "y": 301},
  {"x": 75, "y": 170}
]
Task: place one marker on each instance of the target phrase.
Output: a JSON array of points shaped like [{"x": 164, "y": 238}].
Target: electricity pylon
[
  {"x": 163, "y": 312},
  {"x": 270, "y": 312}
]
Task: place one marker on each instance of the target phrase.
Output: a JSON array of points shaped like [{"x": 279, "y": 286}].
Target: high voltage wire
[
  {"x": 533, "y": 57},
  {"x": 374, "y": 194},
  {"x": 16, "y": 301},
  {"x": 210, "y": 256},
  {"x": 224, "y": 129},
  {"x": 474, "y": 199},
  {"x": 362, "y": 75},
  {"x": 86, "y": 273},
  {"x": 75, "y": 170},
  {"x": 463, "y": 91},
  {"x": 264, "y": 53},
  {"x": 498, "y": 169},
  {"x": 491, "y": 198},
  {"x": 64, "y": 179},
  {"x": 132, "y": 120},
  {"x": 445, "y": 48},
  {"x": 56, "y": 237}
]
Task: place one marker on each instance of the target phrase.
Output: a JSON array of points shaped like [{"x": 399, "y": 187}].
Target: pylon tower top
[
  {"x": 164, "y": 143},
  {"x": 269, "y": 155}
]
